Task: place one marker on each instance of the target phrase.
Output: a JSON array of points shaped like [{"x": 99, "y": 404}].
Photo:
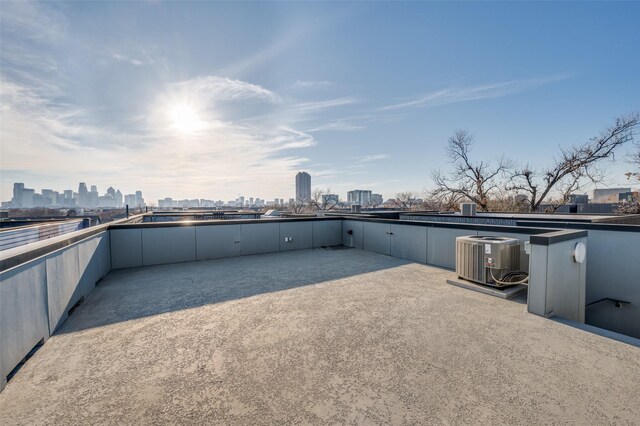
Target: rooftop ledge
[{"x": 316, "y": 336}]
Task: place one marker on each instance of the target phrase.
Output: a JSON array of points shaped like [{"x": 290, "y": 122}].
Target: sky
[{"x": 219, "y": 99}]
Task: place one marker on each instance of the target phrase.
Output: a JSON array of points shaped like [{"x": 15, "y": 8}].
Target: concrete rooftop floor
[{"x": 316, "y": 336}]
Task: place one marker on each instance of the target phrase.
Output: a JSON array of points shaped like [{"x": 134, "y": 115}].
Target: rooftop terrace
[{"x": 316, "y": 336}]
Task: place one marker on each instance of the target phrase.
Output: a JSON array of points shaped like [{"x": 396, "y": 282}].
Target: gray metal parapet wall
[
  {"x": 39, "y": 286},
  {"x": 41, "y": 282},
  {"x": 557, "y": 275},
  {"x": 36, "y": 296}
]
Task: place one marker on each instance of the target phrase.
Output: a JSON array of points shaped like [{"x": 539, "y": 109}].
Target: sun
[{"x": 184, "y": 119}]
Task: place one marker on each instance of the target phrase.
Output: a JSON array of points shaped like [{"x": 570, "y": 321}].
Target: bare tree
[
  {"x": 507, "y": 201},
  {"x": 320, "y": 200},
  {"x": 298, "y": 207},
  {"x": 475, "y": 181},
  {"x": 406, "y": 200},
  {"x": 440, "y": 202},
  {"x": 632, "y": 206},
  {"x": 575, "y": 167},
  {"x": 634, "y": 159}
]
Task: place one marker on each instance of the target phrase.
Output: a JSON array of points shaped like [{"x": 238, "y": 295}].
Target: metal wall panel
[
  {"x": 260, "y": 238},
  {"x": 377, "y": 237},
  {"x": 126, "y": 248},
  {"x": 566, "y": 281},
  {"x": 219, "y": 241},
  {"x": 168, "y": 245},
  {"x": 355, "y": 239},
  {"x": 613, "y": 271},
  {"x": 327, "y": 233},
  {"x": 441, "y": 246},
  {"x": 537, "y": 291},
  {"x": 299, "y": 235},
  {"x": 88, "y": 263},
  {"x": 63, "y": 291},
  {"x": 104, "y": 254},
  {"x": 409, "y": 242},
  {"x": 23, "y": 313}
]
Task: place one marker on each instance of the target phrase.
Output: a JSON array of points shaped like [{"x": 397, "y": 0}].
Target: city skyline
[
  {"x": 244, "y": 95},
  {"x": 113, "y": 198},
  {"x": 84, "y": 197}
]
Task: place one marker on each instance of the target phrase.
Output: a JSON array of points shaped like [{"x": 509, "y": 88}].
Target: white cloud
[
  {"x": 337, "y": 125},
  {"x": 313, "y": 83},
  {"x": 224, "y": 89},
  {"x": 456, "y": 94},
  {"x": 130, "y": 60},
  {"x": 33, "y": 20},
  {"x": 321, "y": 105},
  {"x": 370, "y": 158}
]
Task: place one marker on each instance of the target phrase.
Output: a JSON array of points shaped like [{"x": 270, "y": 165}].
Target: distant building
[
  {"x": 16, "y": 201},
  {"x": 578, "y": 198},
  {"x": 134, "y": 200},
  {"x": 628, "y": 196},
  {"x": 22, "y": 197},
  {"x": 186, "y": 203},
  {"x": 83, "y": 195},
  {"x": 130, "y": 200},
  {"x": 376, "y": 199},
  {"x": 106, "y": 201},
  {"x": 69, "y": 200},
  {"x": 207, "y": 203},
  {"x": 167, "y": 203},
  {"x": 139, "y": 201},
  {"x": 49, "y": 197},
  {"x": 27, "y": 197},
  {"x": 303, "y": 187},
  {"x": 606, "y": 195},
  {"x": 93, "y": 196},
  {"x": 359, "y": 196}
]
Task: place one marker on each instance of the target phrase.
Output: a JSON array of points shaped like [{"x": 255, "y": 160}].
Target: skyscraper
[
  {"x": 17, "y": 194},
  {"x": 93, "y": 196},
  {"x": 139, "y": 201},
  {"x": 83, "y": 195},
  {"x": 69, "y": 201},
  {"x": 303, "y": 187}
]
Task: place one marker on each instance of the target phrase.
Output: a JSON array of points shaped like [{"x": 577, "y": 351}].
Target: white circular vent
[{"x": 579, "y": 252}]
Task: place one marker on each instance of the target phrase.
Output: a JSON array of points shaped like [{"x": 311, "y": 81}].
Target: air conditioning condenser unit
[{"x": 488, "y": 260}]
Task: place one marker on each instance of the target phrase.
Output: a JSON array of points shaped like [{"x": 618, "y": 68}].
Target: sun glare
[{"x": 184, "y": 119}]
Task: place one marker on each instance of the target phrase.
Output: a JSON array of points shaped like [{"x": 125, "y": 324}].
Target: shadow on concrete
[
  {"x": 521, "y": 298},
  {"x": 630, "y": 340},
  {"x": 127, "y": 294}
]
